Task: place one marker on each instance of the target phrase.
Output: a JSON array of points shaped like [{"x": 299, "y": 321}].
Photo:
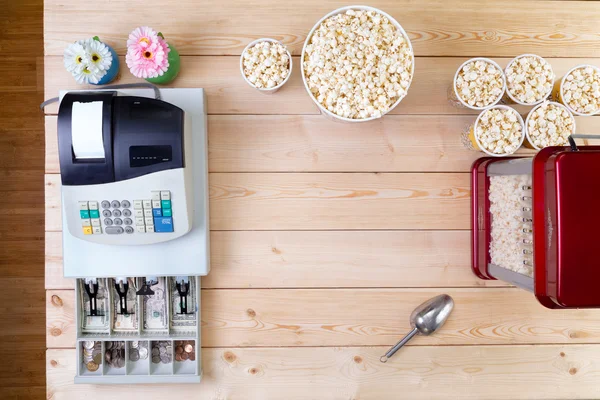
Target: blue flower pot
[{"x": 113, "y": 71}]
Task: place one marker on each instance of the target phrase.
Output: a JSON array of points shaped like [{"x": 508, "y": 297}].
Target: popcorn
[
  {"x": 499, "y": 130},
  {"x": 266, "y": 64},
  {"x": 550, "y": 124},
  {"x": 479, "y": 83},
  {"x": 581, "y": 90},
  {"x": 506, "y": 207},
  {"x": 529, "y": 79},
  {"x": 358, "y": 64}
]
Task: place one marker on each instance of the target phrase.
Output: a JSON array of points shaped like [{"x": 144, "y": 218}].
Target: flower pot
[{"x": 172, "y": 71}]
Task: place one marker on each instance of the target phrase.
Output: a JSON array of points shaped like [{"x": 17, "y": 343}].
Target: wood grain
[
  {"x": 253, "y": 143},
  {"x": 362, "y": 317},
  {"x": 417, "y": 372},
  {"x": 442, "y": 28},
  {"x": 228, "y": 93},
  {"x": 323, "y": 201},
  {"x": 283, "y": 259}
]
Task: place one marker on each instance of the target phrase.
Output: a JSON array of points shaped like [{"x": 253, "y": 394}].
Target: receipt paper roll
[{"x": 86, "y": 130}]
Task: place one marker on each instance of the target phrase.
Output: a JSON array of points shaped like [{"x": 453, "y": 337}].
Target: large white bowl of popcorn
[
  {"x": 266, "y": 65},
  {"x": 357, "y": 63}
]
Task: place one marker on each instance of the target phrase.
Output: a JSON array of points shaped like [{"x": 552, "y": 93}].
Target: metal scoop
[{"x": 425, "y": 319}]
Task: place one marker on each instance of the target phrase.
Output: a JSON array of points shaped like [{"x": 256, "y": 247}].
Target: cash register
[{"x": 135, "y": 218}]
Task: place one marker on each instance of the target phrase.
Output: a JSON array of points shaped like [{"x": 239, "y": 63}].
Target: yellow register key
[{"x": 87, "y": 230}]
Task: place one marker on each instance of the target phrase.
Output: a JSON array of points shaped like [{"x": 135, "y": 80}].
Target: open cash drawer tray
[{"x": 153, "y": 322}]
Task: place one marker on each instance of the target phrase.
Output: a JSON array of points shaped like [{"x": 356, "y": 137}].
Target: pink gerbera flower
[{"x": 147, "y": 53}]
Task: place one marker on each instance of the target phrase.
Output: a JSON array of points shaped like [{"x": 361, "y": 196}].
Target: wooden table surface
[{"x": 326, "y": 235}]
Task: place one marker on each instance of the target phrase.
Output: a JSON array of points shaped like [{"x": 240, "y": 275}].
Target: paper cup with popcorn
[
  {"x": 579, "y": 90},
  {"x": 266, "y": 65},
  {"x": 498, "y": 131},
  {"x": 529, "y": 80},
  {"x": 352, "y": 78},
  {"x": 549, "y": 124},
  {"x": 478, "y": 83}
]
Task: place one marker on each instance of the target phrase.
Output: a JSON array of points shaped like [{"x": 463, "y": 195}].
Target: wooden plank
[
  {"x": 428, "y": 373},
  {"x": 220, "y": 27},
  {"x": 310, "y": 143},
  {"x": 279, "y": 259},
  {"x": 323, "y": 201},
  {"x": 54, "y": 263},
  {"x": 228, "y": 93},
  {"x": 363, "y": 317}
]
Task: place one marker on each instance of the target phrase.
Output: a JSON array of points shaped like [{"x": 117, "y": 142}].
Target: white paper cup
[
  {"x": 529, "y": 142},
  {"x": 473, "y": 131},
  {"x": 467, "y": 105},
  {"x": 341, "y": 10},
  {"x": 509, "y": 98},
  {"x": 557, "y": 93},
  {"x": 265, "y": 90}
]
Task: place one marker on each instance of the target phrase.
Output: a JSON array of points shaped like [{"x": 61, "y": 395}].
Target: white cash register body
[{"x": 135, "y": 201}]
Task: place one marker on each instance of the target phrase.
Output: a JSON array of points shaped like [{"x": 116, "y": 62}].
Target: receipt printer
[{"x": 134, "y": 183}]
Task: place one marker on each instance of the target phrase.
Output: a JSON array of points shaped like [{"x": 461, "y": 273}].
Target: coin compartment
[
  {"x": 183, "y": 325},
  {"x": 186, "y": 366},
  {"x": 142, "y": 365},
  {"x": 112, "y": 368},
  {"x": 83, "y": 370},
  {"x": 157, "y": 364}
]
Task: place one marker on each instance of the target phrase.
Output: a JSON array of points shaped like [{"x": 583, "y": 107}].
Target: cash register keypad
[{"x": 149, "y": 215}]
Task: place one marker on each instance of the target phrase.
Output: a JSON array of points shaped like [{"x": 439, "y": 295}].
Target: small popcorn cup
[
  {"x": 529, "y": 142},
  {"x": 558, "y": 91},
  {"x": 509, "y": 97},
  {"x": 456, "y": 100},
  {"x": 265, "y": 90},
  {"x": 471, "y": 140}
]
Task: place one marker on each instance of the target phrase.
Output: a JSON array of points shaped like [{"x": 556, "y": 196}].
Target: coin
[
  {"x": 155, "y": 359},
  {"x": 143, "y": 353},
  {"x": 135, "y": 344},
  {"x": 88, "y": 344},
  {"x": 108, "y": 345},
  {"x": 185, "y": 356},
  {"x": 155, "y": 352},
  {"x": 192, "y": 356},
  {"x": 189, "y": 348},
  {"x": 92, "y": 366},
  {"x": 164, "y": 359},
  {"x": 178, "y": 349},
  {"x": 163, "y": 351},
  {"x": 134, "y": 355},
  {"x": 120, "y": 363},
  {"x": 177, "y": 357},
  {"x": 97, "y": 358}
]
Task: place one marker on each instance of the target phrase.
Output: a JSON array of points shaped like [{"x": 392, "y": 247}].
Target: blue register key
[
  {"x": 163, "y": 224},
  {"x": 157, "y": 212}
]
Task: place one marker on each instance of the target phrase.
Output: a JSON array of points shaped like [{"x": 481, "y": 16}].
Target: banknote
[
  {"x": 99, "y": 323},
  {"x": 155, "y": 308},
  {"x": 179, "y": 321},
  {"x": 125, "y": 322}
]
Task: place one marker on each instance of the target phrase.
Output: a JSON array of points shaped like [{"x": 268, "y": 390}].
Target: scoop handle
[{"x": 398, "y": 345}]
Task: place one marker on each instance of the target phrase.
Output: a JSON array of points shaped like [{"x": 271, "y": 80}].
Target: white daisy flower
[
  {"x": 99, "y": 54},
  {"x": 74, "y": 57}
]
